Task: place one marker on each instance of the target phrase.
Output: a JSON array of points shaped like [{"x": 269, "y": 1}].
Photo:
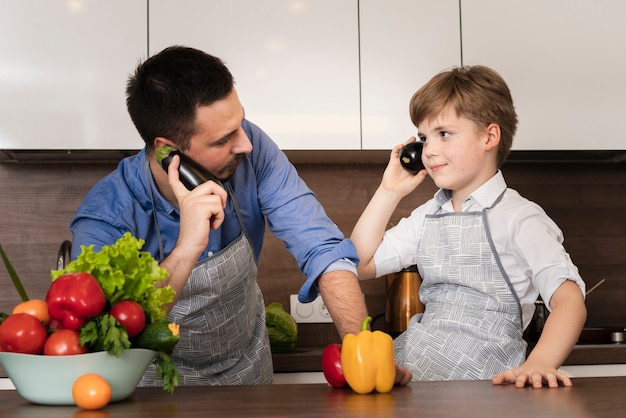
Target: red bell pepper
[
  {"x": 73, "y": 298},
  {"x": 331, "y": 366}
]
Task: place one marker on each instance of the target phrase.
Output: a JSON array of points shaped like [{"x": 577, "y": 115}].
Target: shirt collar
[
  {"x": 485, "y": 196},
  {"x": 148, "y": 182}
]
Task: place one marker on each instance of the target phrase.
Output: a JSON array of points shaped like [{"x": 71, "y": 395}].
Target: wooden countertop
[{"x": 589, "y": 397}]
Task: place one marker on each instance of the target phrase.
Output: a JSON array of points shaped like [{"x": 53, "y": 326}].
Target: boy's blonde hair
[{"x": 476, "y": 92}]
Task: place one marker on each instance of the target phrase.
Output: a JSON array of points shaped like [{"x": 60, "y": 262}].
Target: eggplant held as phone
[{"x": 191, "y": 174}]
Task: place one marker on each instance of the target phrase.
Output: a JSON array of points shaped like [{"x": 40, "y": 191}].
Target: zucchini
[{"x": 157, "y": 336}]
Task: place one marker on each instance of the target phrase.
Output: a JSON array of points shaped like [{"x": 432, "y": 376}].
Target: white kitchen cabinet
[
  {"x": 295, "y": 62},
  {"x": 314, "y": 74},
  {"x": 404, "y": 43},
  {"x": 63, "y": 72},
  {"x": 564, "y": 62}
]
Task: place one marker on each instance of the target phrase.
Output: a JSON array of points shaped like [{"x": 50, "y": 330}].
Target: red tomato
[
  {"x": 63, "y": 342},
  {"x": 22, "y": 333},
  {"x": 331, "y": 366},
  {"x": 130, "y": 314}
]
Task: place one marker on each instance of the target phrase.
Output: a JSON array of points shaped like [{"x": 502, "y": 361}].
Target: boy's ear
[{"x": 493, "y": 136}]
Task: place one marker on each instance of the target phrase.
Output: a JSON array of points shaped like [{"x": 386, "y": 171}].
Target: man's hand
[
  {"x": 201, "y": 209},
  {"x": 403, "y": 376}
]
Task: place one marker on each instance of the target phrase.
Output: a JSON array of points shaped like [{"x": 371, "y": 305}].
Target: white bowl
[{"x": 48, "y": 380}]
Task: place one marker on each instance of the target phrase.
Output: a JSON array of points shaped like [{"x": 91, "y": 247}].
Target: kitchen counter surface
[
  {"x": 589, "y": 397},
  {"x": 309, "y": 359}
]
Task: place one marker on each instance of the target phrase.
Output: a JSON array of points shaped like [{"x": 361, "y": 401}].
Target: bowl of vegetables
[{"x": 102, "y": 317}]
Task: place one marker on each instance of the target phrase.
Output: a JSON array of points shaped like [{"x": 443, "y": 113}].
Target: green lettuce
[{"x": 125, "y": 272}]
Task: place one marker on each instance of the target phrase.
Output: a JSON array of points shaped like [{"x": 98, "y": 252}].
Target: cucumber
[{"x": 157, "y": 336}]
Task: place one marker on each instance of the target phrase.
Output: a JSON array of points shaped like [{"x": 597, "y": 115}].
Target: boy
[{"x": 484, "y": 252}]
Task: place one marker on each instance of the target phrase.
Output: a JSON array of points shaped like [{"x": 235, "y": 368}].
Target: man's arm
[
  {"x": 342, "y": 296},
  {"x": 344, "y": 299}
]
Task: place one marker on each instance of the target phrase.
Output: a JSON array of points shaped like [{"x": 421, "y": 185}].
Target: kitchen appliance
[
  {"x": 402, "y": 299},
  {"x": 534, "y": 329},
  {"x": 601, "y": 335}
]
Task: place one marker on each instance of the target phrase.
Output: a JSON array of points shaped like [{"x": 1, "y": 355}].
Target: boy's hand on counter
[
  {"x": 558, "y": 337},
  {"x": 528, "y": 374}
]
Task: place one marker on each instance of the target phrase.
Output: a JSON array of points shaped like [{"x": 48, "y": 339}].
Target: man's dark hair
[{"x": 163, "y": 94}]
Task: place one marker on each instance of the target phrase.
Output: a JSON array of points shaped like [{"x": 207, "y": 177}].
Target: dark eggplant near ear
[
  {"x": 411, "y": 156},
  {"x": 190, "y": 173}
]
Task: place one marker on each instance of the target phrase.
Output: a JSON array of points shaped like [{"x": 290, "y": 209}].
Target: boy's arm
[
  {"x": 559, "y": 335},
  {"x": 371, "y": 226}
]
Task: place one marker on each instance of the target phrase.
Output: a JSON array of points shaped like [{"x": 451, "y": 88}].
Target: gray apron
[
  {"x": 221, "y": 313},
  {"x": 471, "y": 328}
]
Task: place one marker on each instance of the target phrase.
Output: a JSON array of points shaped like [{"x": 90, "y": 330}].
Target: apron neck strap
[{"x": 149, "y": 181}]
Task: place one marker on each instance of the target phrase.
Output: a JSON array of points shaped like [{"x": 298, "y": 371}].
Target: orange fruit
[
  {"x": 91, "y": 391},
  {"x": 35, "y": 307}
]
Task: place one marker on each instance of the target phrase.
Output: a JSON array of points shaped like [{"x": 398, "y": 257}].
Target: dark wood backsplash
[{"x": 587, "y": 200}]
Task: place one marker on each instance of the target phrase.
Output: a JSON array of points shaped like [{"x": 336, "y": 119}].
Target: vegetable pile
[
  {"x": 364, "y": 362},
  {"x": 102, "y": 301}
]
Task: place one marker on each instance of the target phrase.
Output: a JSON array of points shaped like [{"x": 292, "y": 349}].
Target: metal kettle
[{"x": 402, "y": 299}]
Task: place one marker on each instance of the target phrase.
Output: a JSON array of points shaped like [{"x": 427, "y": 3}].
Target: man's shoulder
[
  {"x": 265, "y": 152},
  {"x": 260, "y": 140},
  {"x": 113, "y": 194}
]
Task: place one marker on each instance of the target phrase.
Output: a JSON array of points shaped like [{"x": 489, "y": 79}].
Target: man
[{"x": 210, "y": 238}]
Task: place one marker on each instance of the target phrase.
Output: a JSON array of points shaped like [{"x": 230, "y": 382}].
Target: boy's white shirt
[{"x": 528, "y": 242}]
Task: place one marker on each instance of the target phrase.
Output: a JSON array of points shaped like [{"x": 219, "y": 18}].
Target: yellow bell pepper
[{"x": 367, "y": 360}]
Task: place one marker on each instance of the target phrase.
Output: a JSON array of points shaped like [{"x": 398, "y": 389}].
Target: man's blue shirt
[{"x": 266, "y": 186}]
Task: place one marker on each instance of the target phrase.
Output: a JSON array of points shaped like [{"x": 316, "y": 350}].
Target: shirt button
[{"x": 210, "y": 254}]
